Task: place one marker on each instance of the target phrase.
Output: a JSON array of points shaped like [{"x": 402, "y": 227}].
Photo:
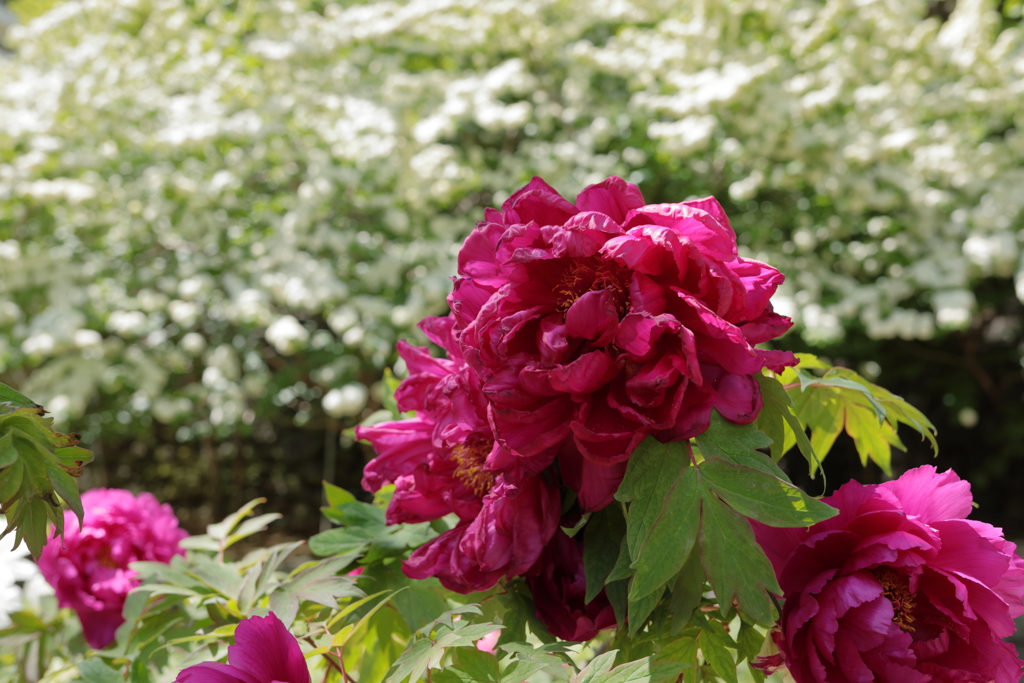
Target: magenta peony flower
[
  {"x": 601, "y": 323},
  {"x": 90, "y": 573},
  {"x": 445, "y": 460},
  {"x": 559, "y": 587},
  {"x": 898, "y": 587},
  {"x": 264, "y": 652}
]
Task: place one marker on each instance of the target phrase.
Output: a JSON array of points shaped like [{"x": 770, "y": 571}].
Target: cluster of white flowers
[{"x": 210, "y": 204}]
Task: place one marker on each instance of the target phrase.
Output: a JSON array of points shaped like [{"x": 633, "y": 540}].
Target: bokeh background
[{"x": 218, "y": 216}]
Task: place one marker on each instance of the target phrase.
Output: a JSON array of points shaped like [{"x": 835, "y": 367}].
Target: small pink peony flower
[
  {"x": 559, "y": 587},
  {"x": 90, "y": 573},
  {"x": 445, "y": 460},
  {"x": 597, "y": 324},
  {"x": 900, "y": 586},
  {"x": 264, "y": 652}
]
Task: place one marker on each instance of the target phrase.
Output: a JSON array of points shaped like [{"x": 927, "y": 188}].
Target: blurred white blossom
[{"x": 347, "y": 401}]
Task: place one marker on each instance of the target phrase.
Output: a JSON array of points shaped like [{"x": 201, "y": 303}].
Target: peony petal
[
  {"x": 931, "y": 496},
  {"x": 593, "y": 317},
  {"x": 586, "y": 374},
  {"x": 967, "y": 553},
  {"x": 613, "y": 197},
  {"x": 265, "y": 649},
  {"x": 595, "y": 484},
  {"x": 215, "y": 672},
  {"x": 538, "y": 202}
]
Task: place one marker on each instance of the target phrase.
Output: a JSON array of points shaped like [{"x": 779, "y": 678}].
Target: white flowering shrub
[{"x": 212, "y": 211}]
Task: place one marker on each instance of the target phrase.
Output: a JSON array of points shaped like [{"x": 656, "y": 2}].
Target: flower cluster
[
  {"x": 898, "y": 586},
  {"x": 90, "y": 574},
  {"x": 576, "y": 331}
]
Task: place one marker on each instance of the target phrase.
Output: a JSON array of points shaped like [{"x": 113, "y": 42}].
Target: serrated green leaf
[
  {"x": 761, "y": 496},
  {"x": 67, "y": 489},
  {"x": 735, "y": 564},
  {"x": 662, "y": 519},
  {"x": 601, "y": 545},
  {"x": 714, "y": 648},
  {"x": 687, "y": 592},
  {"x": 841, "y": 399},
  {"x": 872, "y": 439}
]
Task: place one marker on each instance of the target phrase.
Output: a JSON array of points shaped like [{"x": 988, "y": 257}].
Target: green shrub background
[{"x": 216, "y": 218}]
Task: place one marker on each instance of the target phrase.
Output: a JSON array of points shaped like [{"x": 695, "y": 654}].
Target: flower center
[
  {"x": 469, "y": 458},
  {"x": 896, "y": 589},
  {"x": 592, "y": 275}
]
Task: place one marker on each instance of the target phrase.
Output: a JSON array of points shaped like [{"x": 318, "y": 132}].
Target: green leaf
[
  {"x": 714, "y": 644},
  {"x": 337, "y": 496},
  {"x": 841, "y": 399},
  {"x": 735, "y": 564},
  {"x": 339, "y": 542},
  {"x": 601, "y": 545},
  {"x": 618, "y": 596},
  {"x": 621, "y": 570},
  {"x": 571, "y": 531},
  {"x": 645, "y": 670},
  {"x": 96, "y": 671},
  {"x": 479, "y": 666},
  {"x": 687, "y": 592},
  {"x": 749, "y": 641},
  {"x": 778, "y": 414},
  {"x": 67, "y": 489},
  {"x": 640, "y": 609},
  {"x": 222, "y": 529},
  {"x": 14, "y": 399},
  {"x": 737, "y": 444},
  {"x": 10, "y": 481},
  {"x": 8, "y": 453},
  {"x": 662, "y": 521},
  {"x": 33, "y": 525},
  {"x": 763, "y": 497}
]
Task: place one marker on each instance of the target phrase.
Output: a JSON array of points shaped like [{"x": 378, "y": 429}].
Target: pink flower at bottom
[
  {"x": 264, "y": 652},
  {"x": 90, "y": 573},
  {"x": 899, "y": 586}
]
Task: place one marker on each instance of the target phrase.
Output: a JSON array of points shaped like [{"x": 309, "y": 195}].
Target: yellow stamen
[
  {"x": 896, "y": 589},
  {"x": 470, "y": 458}
]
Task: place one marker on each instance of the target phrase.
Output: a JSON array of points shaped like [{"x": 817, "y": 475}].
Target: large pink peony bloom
[
  {"x": 264, "y": 652},
  {"x": 898, "y": 587},
  {"x": 445, "y": 460},
  {"x": 90, "y": 573},
  {"x": 559, "y": 586},
  {"x": 594, "y": 325}
]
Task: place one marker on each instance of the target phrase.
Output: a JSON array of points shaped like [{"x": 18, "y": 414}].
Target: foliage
[{"x": 37, "y": 470}]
